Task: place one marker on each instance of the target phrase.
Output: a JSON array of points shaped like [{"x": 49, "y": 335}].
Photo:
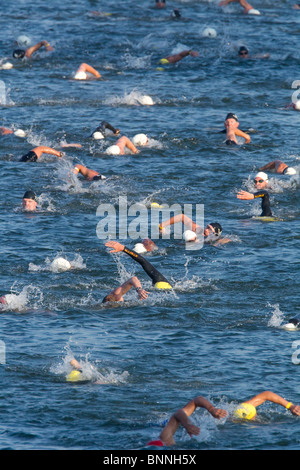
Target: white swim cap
[
  {"x": 189, "y": 236},
  {"x": 139, "y": 248},
  {"x": 209, "y": 33},
  {"x": 80, "y": 76},
  {"x": 146, "y": 100},
  {"x": 98, "y": 135},
  {"x": 20, "y": 133},
  {"x": 297, "y": 105},
  {"x": 140, "y": 139},
  {"x": 113, "y": 150},
  {"x": 262, "y": 175},
  {"x": 60, "y": 264},
  {"x": 6, "y": 66},
  {"x": 290, "y": 171},
  {"x": 253, "y": 12},
  {"x": 9, "y": 298},
  {"x": 23, "y": 40},
  {"x": 290, "y": 326}
]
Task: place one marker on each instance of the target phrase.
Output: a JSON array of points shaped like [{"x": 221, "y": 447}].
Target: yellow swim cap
[
  {"x": 245, "y": 411},
  {"x": 163, "y": 285},
  {"x": 163, "y": 61},
  {"x": 74, "y": 376}
]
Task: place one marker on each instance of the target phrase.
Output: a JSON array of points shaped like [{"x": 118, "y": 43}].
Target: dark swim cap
[
  {"x": 217, "y": 228},
  {"x": 30, "y": 195},
  {"x": 231, "y": 116},
  {"x": 176, "y": 13},
  {"x": 243, "y": 49},
  {"x": 19, "y": 54}
]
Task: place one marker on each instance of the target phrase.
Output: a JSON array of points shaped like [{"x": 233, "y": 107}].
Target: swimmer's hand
[
  {"x": 142, "y": 293},
  {"x": 295, "y": 410},
  {"x": 245, "y": 195},
  {"x": 61, "y": 154},
  {"x": 218, "y": 413},
  {"x": 194, "y": 53},
  {"x": 161, "y": 228},
  {"x": 115, "y": 245},
  {"x": 192, "y": 430}
]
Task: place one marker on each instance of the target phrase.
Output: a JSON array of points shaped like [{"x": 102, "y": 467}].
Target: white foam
[
  {"x": 209, "y": 33},
  {"x": 80, "y": 76}
]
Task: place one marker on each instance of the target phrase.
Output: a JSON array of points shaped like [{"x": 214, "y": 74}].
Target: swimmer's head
[
  {"x": 140, "y": 139},
  {"x": 149, "y": 244},
  {"x": 243, "y": 51},
  {"x": 146, "y": 100},
  {"x": 60, "y": 264},
  {"x": 19, "y": 53},
  {"x": 261, "y": 180},
  {"x": 98, "y": 135},
  {"x": 113, "y": 150},
  {"x": 245, "y": 411},
  {"x": 290, "y": 171},
  {"x": 139, "y": 248},
  {"x": 20, "y": 133},
  {"x": 189, "y": 236},
  {"x": 156, "y": 443},
  {"x": 253, "y": 11},
  {"x": 231, "y": 116},
  {"x": 214, "y": 228},
  {"x": 297, "y": 105},
  {"x": 109, "y": 298},
  {"x": 293, "y": 324},
  {"x": 176, "y": 13},
  {"x": 80, "y": 75},
  {"x": 163, "y": 285},
  {"x": 209, "y": 33},
  {"x": 29, "y": 201},
  {"x": 74, "y": 376}
]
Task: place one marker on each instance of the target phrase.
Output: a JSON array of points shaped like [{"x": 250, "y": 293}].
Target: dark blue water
[{"x": 219, "y": 332}]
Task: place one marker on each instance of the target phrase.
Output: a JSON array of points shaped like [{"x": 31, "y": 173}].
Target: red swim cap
[{"x": 157, "y": 443}]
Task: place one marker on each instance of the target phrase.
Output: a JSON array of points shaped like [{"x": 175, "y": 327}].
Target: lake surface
[{"x": 219, "y": 332}]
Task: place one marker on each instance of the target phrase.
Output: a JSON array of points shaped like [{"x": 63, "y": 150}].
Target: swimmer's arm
[
  {"x": 117, "y": 247},
  {"x": 134, "y": 282},
  {"x": 274, "y": 398},
  {"x": 88, "y": 68},
  {"x": 36, "y": 47},
  {"x": 105, "y": 125},
  {"x": 222, "y": 241},
  {"x": 201, "y": 402},
  {"x": 244, "y": 135},
  {"x": 180, "y": 218},
  {"x": 74, "y": 363},
  {"x": 131, "y": 146},
  {"x": 41, "y": 149},
  {"x": 245, "y": 195},
  {"x": 5, "y": 130}
]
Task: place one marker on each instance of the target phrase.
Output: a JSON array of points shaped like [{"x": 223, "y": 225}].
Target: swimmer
[
  {"x": 34, "y": 154},
  {"x": 119, "y": 147},
  {"x": 20, "y": 53},
  {"x": 243, "y": 53},
  {"x": 101, "y": 131},
  {"x": 90, "y": 175},
  {"x": 145, "y": 246},
  {"x": 279, "y": 167},
  {"x": 262, "y": 193},
  {"x": 247, "y": 410},
  {"x": 159, "y": 4},
  {"x": 296, "y": 6},
  {"x": 117, "y": 295},
  {"x": 211, "y": 233},
  {"x": 248, "y": 9},
  {"x": 18, "y": 132},
  {"x": 176, "y": 14},
  {"x": 232, "y": 130},
  {"x": 81, "y": 73},
  {"x": 172, "y": 59},
  {"x": 181, "y": 417},
  {"x": 158, "y": 280},
  {"x": 29, "y": 201}
]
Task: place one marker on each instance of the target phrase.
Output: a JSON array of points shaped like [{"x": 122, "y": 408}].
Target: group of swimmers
[{"x": 211, "y": 233}]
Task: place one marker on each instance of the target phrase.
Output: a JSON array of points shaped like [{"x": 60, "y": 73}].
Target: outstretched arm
[
  {"x": 88, "y": 68},
  {"x": 244, "y": 135},
  {"x": 274, "y": 398},
  {"x": 41, "y": 149},
  {"x": 180, "y": 218},
  {"x": 37, "y": 46}
]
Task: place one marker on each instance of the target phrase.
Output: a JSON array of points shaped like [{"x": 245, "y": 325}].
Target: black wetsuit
[
  {"x": 152, "y": 272},
  {"x": 265, "y": 203},
  {"x": 103, "y": 126}
]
